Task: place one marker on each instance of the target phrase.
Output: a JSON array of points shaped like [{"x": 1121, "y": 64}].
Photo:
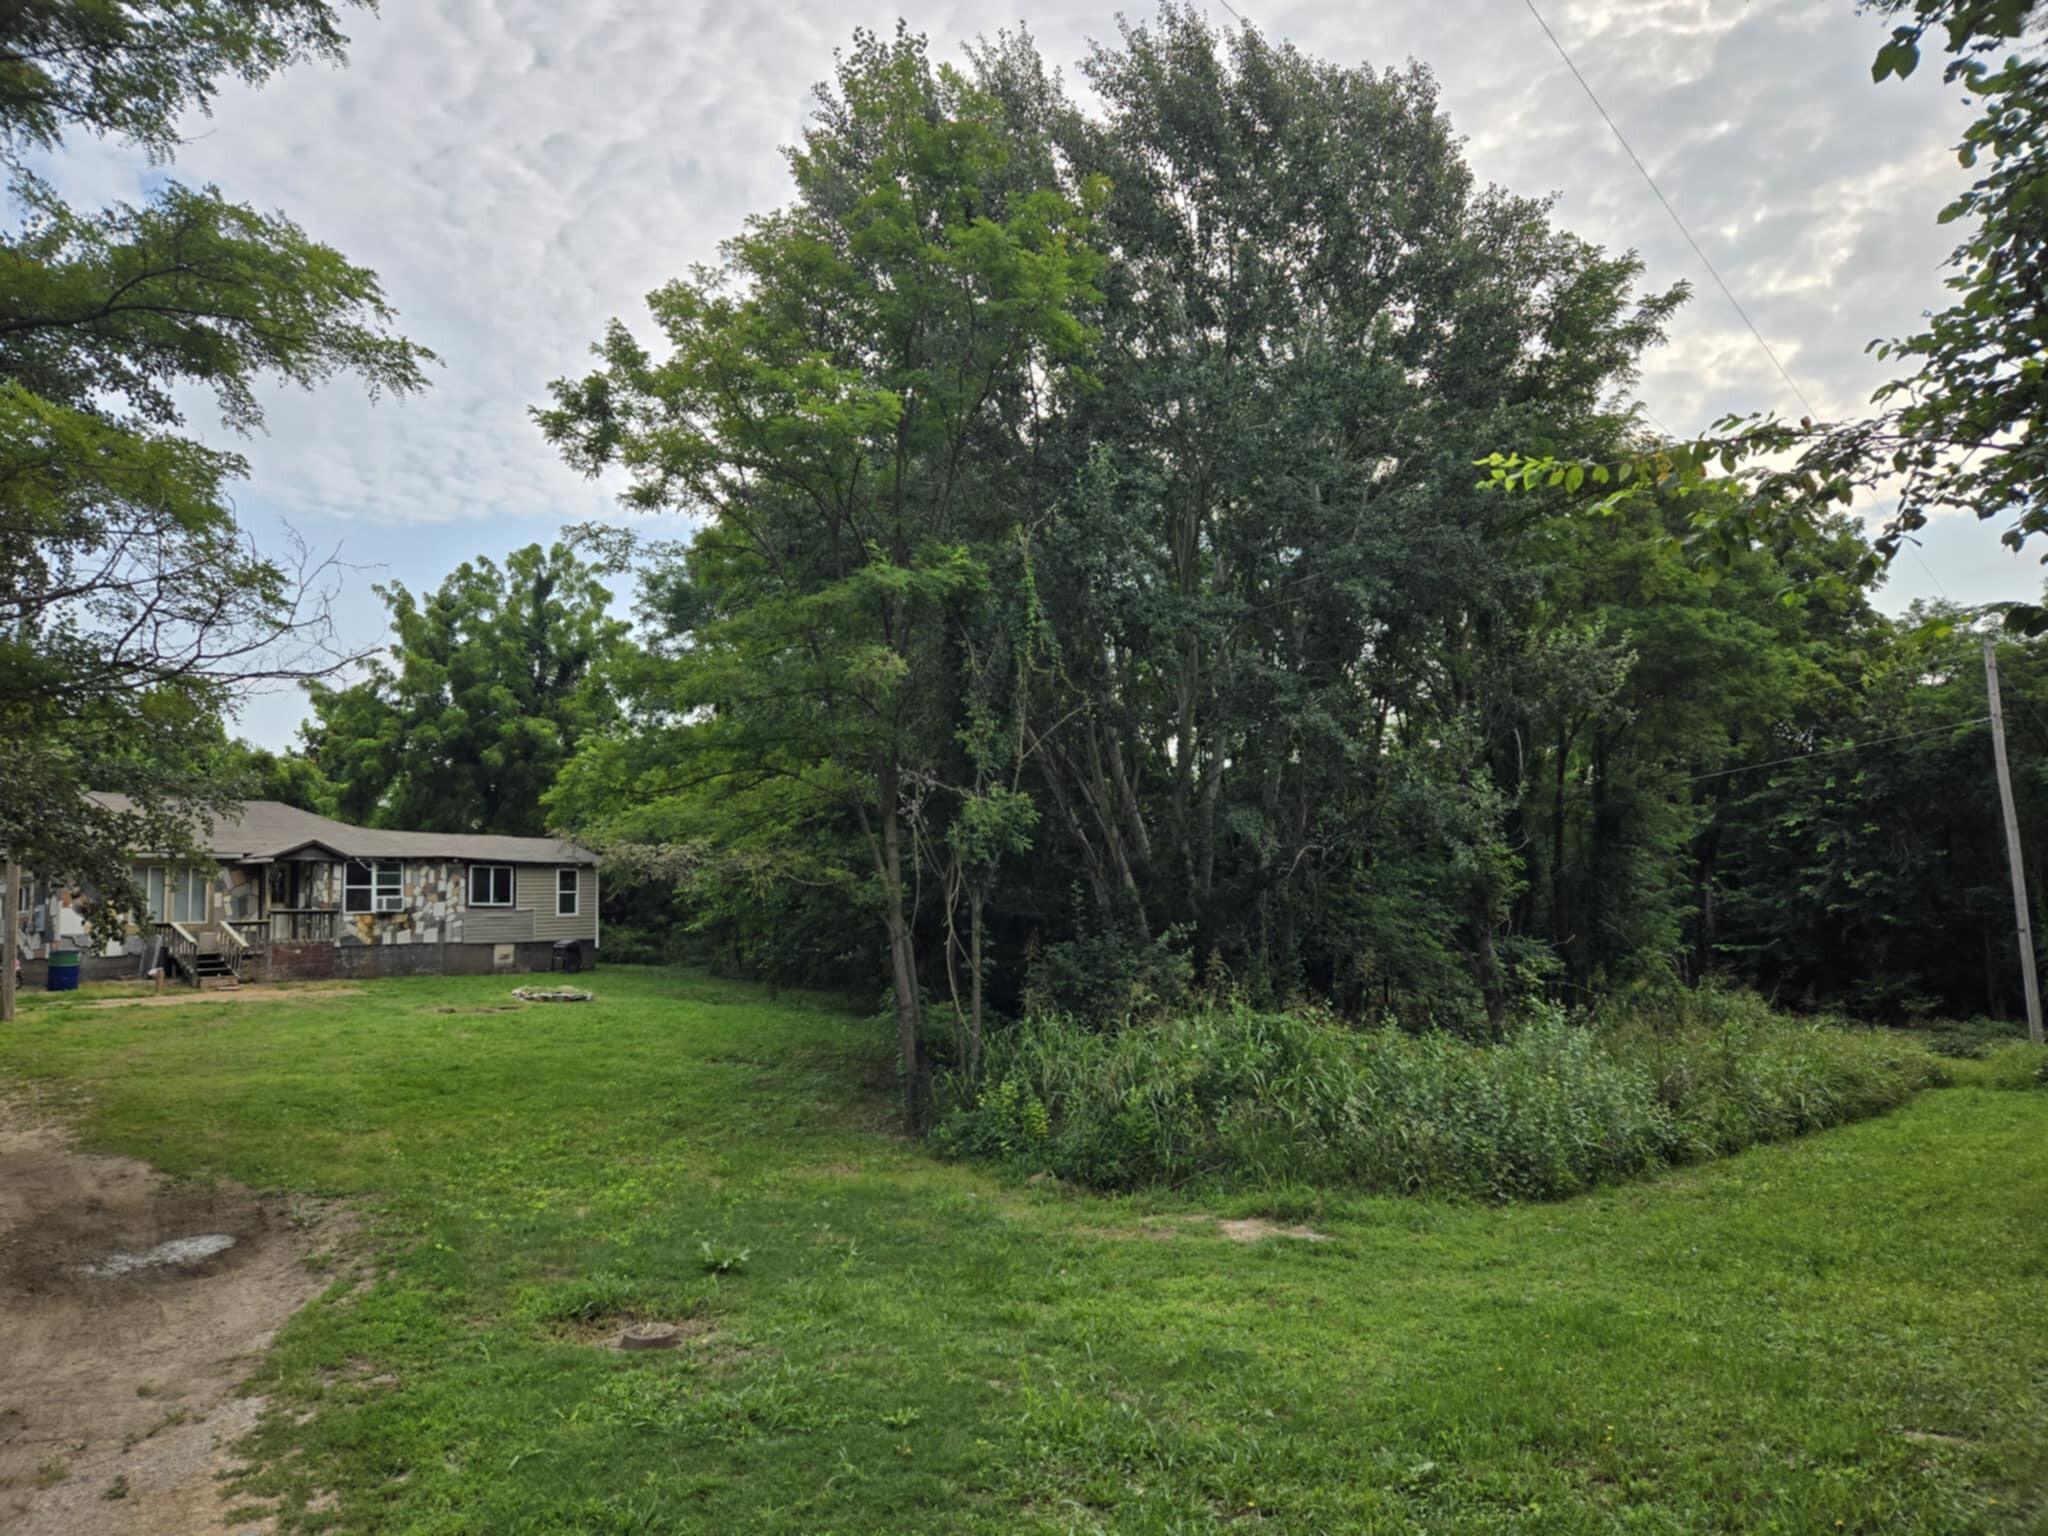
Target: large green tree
[
  {"x": 1094, "y": 588},
  {"x": 1278, "y": 607},
  {"x": 129, "y": 595},
  {"x": 490, "y": 683},
  {"x": 849, "y": 401}
]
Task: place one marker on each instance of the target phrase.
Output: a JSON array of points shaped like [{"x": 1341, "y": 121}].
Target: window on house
[
  {"x": 490, "y": 885},
  {"x": 177, "y": 895},
  {"x": 373, "y": 886},
  {"x": 566, "y": 894}
]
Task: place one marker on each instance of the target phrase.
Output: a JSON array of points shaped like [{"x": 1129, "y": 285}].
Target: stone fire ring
[
  {"x": 552, "y": 995},
  {"x": 651, "y": 1336}
]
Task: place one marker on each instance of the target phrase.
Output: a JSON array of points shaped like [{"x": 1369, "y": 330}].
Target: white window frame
[
  {"x": 574, "y": 892},
  {"x": 488, "y": 899},
  {"x": 173, "y": 892},
  {"x": 384, "y": 891}
]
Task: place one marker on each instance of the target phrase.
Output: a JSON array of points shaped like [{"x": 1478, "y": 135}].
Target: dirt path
[
  {"x": 141, "y": 995},
  {"x": 126, "y": 1321}
]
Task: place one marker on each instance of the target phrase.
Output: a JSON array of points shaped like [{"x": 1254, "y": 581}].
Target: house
[{"x": 291, "y": 895}]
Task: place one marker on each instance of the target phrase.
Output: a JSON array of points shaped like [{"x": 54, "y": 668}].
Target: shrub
[
  {"x": 2015, "y": 1064},
  {"x": 1230, "y": 1094}
]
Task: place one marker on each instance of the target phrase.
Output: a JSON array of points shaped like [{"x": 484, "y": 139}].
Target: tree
[
  {"x": 290, "y": 777},
  {"x": 847, "y": 401},
  {"x": 128, "y": 594},
  {"x": 493, "y": 681},
  {"x": 1277, "y": 603},
  {"x": 1869, "y": 871}
]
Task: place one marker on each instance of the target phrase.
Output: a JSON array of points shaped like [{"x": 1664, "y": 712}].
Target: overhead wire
[
  {"x": 1705, "y": 260},
  {"x": 2007, "y": 668},
  {"x": 1857, "y": 746},
  {"x": 1651, "y": 182}
]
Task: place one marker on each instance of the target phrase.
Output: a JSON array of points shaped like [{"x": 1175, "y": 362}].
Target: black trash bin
[{"x": 572, "y": 955}]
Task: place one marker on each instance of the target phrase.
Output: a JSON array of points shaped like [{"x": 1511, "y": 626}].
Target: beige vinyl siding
[
  {"x": 534, "y": 893},
  {"x": 496, "y": 925}
]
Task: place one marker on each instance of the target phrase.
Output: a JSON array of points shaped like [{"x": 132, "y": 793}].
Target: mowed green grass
[{"x": 1848, "y": 1333}]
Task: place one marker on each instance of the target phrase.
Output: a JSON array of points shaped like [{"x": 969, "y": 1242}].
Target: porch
[{"x": 221, "y": 931}]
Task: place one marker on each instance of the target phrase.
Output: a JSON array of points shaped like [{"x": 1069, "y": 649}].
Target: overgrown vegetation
[
  {"x": 1841, "y": 1332},
  {"x": 1230, "y": 1095},
  {"x": 1094, "y": 598}
]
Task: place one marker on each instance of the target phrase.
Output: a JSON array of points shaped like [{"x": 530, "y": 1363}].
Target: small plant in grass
[
  {"x": 722, "y": 1258},
  {"x": 117, "y": 1489}
]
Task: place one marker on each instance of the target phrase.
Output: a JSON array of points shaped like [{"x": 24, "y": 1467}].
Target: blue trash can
[{"x": 64, "y": 969}]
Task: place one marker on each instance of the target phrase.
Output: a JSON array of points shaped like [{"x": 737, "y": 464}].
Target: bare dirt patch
[
  {"x": 1256, "y": 1229},
  {"x": 123, "y": 1335},
  {"x": 1931, "y": 1437},
  {"x": 614, "y": 1332},
  {"x": 180, "y": 996},
  {"x": 1161, "y": 1229}
]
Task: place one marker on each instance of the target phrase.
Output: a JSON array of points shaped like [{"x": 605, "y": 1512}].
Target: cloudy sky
[{"x": 519, "y": 171}]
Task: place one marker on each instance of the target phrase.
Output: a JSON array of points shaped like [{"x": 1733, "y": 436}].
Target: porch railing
[
  {"x": 254, "y": 932},
  {"x": 181, "y": 948},
  {"x": 304, "y": 925},
  {"x": 234, "y": 949}
]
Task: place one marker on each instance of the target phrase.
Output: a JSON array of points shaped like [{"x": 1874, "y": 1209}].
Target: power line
[
  {"x": 1622, "y": 139},
  {"x": 1875, "y": 741}
]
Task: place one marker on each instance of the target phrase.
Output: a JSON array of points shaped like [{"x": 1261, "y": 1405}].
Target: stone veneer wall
[
  {"x": 238, "y": 891},
  {"x": 432, "y": 915}
]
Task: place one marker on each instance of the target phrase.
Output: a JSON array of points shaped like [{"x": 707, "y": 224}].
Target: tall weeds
[{"x": 1228, "y": 1094}]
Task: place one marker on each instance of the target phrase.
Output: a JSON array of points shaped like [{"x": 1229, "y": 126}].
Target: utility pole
[
  {"x": 10, "y": 939},
  {"x": 2012, "y": 845}
]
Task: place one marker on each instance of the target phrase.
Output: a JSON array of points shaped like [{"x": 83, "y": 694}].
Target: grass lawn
[{"x": 1848, "y": 1333}]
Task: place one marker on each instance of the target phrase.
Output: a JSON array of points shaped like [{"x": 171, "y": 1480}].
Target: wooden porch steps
[{"x": 212, "y": 969}]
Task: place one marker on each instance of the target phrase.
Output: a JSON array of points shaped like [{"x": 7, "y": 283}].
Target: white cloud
[{"x": 519, "y": 172}]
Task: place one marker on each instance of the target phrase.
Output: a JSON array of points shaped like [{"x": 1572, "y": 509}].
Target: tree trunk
[
  {"x": 1492, "y": 985},
  {"x": 976, "y": 900},
  {"x": 10, "y": 914},
  {"x": 902, "y": 954},
  {"x": 1560, "y": 931},
  {"x": 1710, "y": 924}
]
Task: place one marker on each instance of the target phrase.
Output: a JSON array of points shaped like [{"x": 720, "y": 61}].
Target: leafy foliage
[
  {"x": 1095, "y": 604},
  {"x": 128, "y": 595},
  {"x": 494, "y": 679},
  {"x": 850, "y": 402},
  {"x": 127, "y": 68}
]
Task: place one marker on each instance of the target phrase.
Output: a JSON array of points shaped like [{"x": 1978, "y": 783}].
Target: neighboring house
[{"x": 289, "y": 894}]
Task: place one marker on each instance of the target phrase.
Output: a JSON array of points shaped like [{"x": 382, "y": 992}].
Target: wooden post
[
  {"x": 2012, "y": 845},
  {"x": 10, "y": 942}
]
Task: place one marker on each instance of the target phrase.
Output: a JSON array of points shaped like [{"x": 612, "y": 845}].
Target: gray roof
[{"x": 270, "y": 829}]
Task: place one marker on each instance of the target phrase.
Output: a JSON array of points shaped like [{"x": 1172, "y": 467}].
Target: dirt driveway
[{"x": 130, "y": 1307}]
